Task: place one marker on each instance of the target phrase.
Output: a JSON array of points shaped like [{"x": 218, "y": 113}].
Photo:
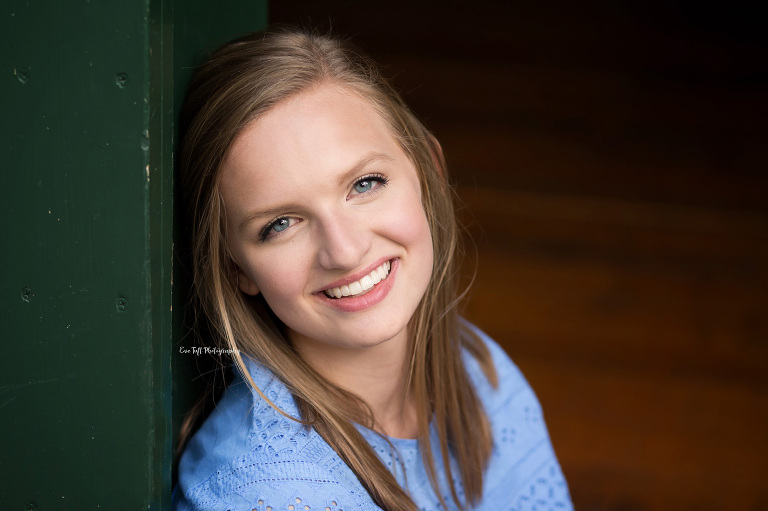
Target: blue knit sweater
[{"x": 248, "y": 457}]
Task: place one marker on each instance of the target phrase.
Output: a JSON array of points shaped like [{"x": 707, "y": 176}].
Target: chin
[
  {"x": 363, "y": 333},
  {"x": 368, "y": 337}
]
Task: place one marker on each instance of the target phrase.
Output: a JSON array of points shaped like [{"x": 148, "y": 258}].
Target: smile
[{"x": 361, "y": 286}]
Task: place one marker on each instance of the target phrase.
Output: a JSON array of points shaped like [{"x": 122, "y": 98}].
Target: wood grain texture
[{"x": 645, "y": 341}]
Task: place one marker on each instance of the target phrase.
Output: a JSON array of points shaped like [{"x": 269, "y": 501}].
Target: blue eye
[
  {"x": 280, "y": 224},
  {"x": 275, "y": 227},
  {"x": 363, "y": 186},
  {"x": 369, "y": 183}
]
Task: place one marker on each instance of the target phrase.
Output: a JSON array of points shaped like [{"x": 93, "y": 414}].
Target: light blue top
[{"x": 247, "y": 456}]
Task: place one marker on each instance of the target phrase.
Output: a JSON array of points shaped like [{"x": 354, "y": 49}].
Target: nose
[{"x": 344, "y": 241}]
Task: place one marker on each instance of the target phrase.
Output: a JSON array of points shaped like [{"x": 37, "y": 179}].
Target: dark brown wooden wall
[{"x": 612, "y": 159}]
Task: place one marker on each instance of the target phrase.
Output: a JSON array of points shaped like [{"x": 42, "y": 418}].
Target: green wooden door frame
[{"x": 89, "y": 94}]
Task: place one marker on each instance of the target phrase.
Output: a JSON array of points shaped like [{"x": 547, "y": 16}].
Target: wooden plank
[
  {"x": 639, "y": 285},
  {"x": 87, "y": 212},
  {"x": 86, "y": 273}
]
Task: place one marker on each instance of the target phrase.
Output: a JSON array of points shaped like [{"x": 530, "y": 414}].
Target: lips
[
  {"x": 365, "y": 299},
  {"x": 362, "y": 285}
]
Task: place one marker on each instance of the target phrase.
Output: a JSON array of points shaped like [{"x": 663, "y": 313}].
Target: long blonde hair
[{"x": 240, "y": 82}]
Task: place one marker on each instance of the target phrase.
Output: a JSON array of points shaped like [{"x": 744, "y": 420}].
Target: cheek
[
  {"x": 280, "y": 276},
  {"x": 411, "y": 229}
]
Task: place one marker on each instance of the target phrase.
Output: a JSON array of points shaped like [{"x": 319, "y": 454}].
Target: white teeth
[{"x": 364, "y": 284}]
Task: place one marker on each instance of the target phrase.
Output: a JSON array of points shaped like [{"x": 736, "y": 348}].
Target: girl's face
[{"x": 324, "y": 219}]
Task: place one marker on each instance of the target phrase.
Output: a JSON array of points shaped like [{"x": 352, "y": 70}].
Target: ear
[{"x": 246, "y": 284}]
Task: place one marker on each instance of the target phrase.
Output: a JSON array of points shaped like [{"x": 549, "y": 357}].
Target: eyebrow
[{"x": 343, "y": 180}]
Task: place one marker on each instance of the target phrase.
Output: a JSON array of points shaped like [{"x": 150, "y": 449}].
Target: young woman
[{"x": 325, "y": 261}]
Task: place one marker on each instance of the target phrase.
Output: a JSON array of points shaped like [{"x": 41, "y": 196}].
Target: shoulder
[
  {"x": 511, "y": 381},
  {"x": 512, "y": 401},
  {"x": 523, "y": 470},
  {"x": 248, "y": 456}
]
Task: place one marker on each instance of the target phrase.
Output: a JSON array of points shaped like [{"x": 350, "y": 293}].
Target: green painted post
[{"x": 86, "y": 211}]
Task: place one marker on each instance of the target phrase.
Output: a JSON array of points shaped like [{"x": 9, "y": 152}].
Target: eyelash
[
  {"x": 378, "y": 178},
  {"x": 265, "y": 233}
]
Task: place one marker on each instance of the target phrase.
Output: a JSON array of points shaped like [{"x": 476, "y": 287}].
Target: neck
[{"x": 377, "y": 374}]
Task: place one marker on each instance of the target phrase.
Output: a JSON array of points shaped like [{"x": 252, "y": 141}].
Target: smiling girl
[{"x": 325, "y": 258}]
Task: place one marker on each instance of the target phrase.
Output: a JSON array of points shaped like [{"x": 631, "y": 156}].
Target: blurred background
[{"x": 611, "y": 158}]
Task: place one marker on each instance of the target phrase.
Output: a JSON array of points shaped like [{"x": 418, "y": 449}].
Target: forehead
[{"x": 320, "y": 132}]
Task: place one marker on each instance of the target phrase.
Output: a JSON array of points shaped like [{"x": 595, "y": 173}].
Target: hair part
[{"x": 239, "y": 83}]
